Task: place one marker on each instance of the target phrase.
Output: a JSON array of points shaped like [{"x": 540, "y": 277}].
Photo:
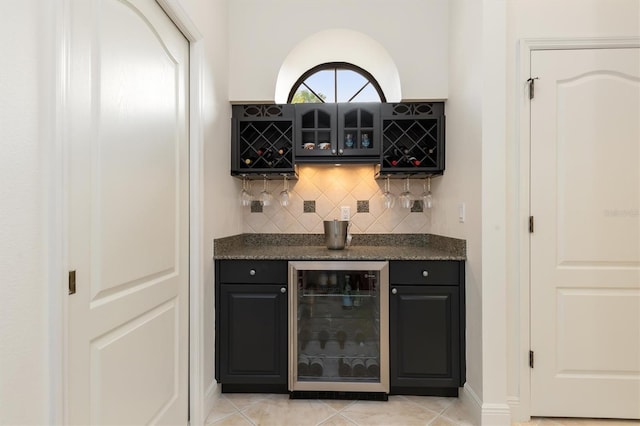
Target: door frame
[
  {"x": 521, "y": 404},
  {"x": 57, "y": 218}
]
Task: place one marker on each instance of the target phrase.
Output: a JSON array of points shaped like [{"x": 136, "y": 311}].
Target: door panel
[
  {"x": 128, "y": 215},
  {"x": 585, "y": 251}
]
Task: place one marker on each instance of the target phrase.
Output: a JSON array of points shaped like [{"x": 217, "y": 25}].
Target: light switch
[{"x": 461, "y": 212}]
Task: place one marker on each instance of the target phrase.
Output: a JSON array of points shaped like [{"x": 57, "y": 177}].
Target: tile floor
[{"x": 268, "y": 410}]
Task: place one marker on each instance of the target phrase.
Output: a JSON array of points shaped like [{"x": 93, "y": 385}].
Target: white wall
[
  {"x": 541, "y": 19},
  {"x": 262, "y": 33},
  {"x": 221, "y": 212},
  {"x": 461, "y": 182},
  {"x": 24, "y": 372}
]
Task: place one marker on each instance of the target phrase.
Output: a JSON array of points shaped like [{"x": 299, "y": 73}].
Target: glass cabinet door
[{"x": 338, "y": 326}]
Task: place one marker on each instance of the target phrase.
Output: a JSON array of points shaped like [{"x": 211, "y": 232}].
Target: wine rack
[
  {"x": 412, "y": 139},
  {"x": 264, "y": 140}
]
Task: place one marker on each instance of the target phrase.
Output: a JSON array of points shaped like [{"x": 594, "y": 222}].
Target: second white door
[{"x": 585, "y": 248}]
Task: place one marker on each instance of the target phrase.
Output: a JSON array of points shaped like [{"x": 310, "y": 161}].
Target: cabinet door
[
  {"x": 315, "y": 130},
  {"x": 253, "y": 334},
  {"x": 359, "y": 129},
  {"x": 424, "y": 336}
]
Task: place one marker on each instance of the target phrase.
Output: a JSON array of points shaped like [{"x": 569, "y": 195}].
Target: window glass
[{"x": 336, "y": 82}]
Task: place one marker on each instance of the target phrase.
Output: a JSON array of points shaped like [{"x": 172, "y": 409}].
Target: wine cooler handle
[
  {"x": 425, "y": 273},
  {"x": 394, "y": 291},
  {"x": 283, "y": 290}
]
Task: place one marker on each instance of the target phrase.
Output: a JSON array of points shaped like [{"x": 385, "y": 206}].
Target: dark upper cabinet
[
  {"x": 404, "y": 139},
  {"x": 413, "y": 139},
  {"x": 345, "y": 132},
  {"x": 262, "y": 140}
]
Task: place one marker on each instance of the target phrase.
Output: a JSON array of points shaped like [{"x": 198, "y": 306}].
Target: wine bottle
[
  {"x": 323, "y": 337},
  {"x": 413, "y": 161},
  {"x": 304, "y": 337},
  {"x": 266, "y": 154},
  {"x": 344, "y": 369},
  {"x": 357, "y": 301},
  {"x": 346, "y": 294},
  {"x": 316, "y": 367},
  {"x": 303, "y": 365},
  {"x": 373, "y": 367},
  {"x": 397, "y": 158},
  {"x": 358, "y": 368},
  {"x": 248, "y": 161},
  {"x": 341, "y": 337},
  {"x": 278, "y": 156}
]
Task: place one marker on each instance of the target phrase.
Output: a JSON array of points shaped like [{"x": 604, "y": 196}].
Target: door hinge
[
  {"x": 531, "y": 359},
  {"x": 72, "y": 282},
  {"x": 532, "y": 86},
  {"x": 531, "y": 224}
]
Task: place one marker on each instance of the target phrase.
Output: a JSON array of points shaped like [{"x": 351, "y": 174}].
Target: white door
[
  {"x": 127, "y": 215},
  {"x": 585, "y": 248}
]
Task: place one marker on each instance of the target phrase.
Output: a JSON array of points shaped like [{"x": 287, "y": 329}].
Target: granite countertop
[{"x": 363, "y": 247}]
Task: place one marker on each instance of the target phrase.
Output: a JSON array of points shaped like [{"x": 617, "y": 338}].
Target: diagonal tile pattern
[
  {"x": 330, "y": 188},
  {"x": 279, "y": 410}
]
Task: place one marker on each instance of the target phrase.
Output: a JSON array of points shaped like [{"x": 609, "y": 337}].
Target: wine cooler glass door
[{"x": 338, "y": 326}]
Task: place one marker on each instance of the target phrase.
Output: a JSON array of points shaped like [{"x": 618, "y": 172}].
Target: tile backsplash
[{"x": 321, "y": 191}]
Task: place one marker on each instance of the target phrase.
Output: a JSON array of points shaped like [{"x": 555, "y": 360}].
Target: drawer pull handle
[
  {"x": 394, "y": 291},
  {"x": 425, "y": 273},
  {"x": 252, "y": 272},
  {"x": 283, "y": 290}
]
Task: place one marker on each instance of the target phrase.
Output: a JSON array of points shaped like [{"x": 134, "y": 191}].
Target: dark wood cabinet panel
[
  {"x": 426, "y": 327},
  {"x": 424, "y": 336},
  {"x": 251, "y": 301},
  {"x": 253, "y": 340}
]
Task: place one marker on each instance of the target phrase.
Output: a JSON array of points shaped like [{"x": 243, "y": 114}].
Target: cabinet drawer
[
  {"x": 436, "y": 272},
  {"x": 253, "y": 271}
]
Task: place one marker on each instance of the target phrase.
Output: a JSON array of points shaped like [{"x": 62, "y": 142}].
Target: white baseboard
[
  {"x": 208, "y": 400},
  {"x": 472, "y": 403},
  {"x": 484, "y": 414},
  {"x": 519, "y": 412}
]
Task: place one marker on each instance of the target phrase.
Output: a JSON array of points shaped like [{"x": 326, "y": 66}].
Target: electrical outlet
[{"x": 345, "y": 213}]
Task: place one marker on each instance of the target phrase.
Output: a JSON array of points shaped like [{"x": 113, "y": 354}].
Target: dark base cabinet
[
  {"x": 251, "y": 326},
  {"x": 426, "y": 337},
  {"x": 426, "y": 326}
]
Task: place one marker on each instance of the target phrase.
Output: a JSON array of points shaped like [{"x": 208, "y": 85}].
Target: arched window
[{"x": 336, "y": 82}]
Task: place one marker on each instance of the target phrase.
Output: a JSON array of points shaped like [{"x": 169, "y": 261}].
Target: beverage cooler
[{"x": 339, "y": 329}]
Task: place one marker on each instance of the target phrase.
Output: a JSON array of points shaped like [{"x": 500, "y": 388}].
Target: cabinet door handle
[
  {"x": 283, "y": 290},
  {"x": 394, "y": 291},
  {"x": 333, "y": 151},
  {"x": 341, "y": 151},
  {"x": 252, "y": 272},
  {"x": 425, "y": 273}
]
